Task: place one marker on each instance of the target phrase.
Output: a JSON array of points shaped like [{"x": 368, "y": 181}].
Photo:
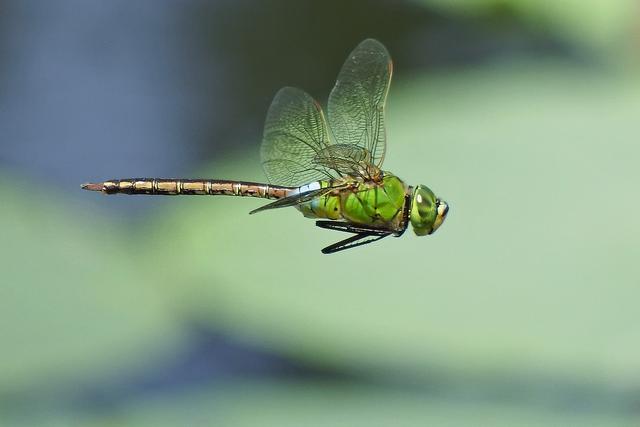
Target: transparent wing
[
  {"x": 296, "y": 148},
  {"x": 345, "y": 160},
  {"x": 295, "y": 136},
  {"x": 357, "y": 102}
]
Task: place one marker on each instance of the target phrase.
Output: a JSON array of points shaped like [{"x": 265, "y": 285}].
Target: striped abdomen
[{"x": 205, "y": 187}]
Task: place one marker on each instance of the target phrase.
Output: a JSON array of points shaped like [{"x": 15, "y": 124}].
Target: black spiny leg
[
  {"x": 352, "y": 228},
  {"x": 353, "y": 242},
  {"x": 363, "y": 235}
]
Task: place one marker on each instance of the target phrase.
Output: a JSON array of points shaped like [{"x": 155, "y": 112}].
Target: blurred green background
[{"x": 522, "y": 310}]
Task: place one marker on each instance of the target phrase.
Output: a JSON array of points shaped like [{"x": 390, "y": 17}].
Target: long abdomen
[{"x": 175, "y": 187}]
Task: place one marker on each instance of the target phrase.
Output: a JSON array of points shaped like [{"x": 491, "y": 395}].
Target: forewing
[
  {"x": 345, "y": 160},
  {"x": 295, "y": 133},
  {"x": 357, "y": 102}
]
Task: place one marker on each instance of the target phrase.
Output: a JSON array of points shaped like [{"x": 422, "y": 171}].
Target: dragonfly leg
[
  {"x": 363, "y": 235},
  {"x": 353, "y": 241},
  {"x": 351, "y": 228}
]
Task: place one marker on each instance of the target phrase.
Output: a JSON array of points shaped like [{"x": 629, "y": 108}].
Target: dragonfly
[{"x": 328, "y": 167}]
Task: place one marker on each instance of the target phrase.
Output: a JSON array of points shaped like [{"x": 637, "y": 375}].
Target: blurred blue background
[{"x": 521, "y": 310}]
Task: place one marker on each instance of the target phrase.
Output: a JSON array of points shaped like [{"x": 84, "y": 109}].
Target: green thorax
[{"x": 363, "y": 203}]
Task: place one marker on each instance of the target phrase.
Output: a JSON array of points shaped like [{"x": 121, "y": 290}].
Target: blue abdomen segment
[{"x": 327, "y": 206}]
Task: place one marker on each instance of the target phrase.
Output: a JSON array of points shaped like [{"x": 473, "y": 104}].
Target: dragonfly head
[{"x": 427, "y": 211}]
